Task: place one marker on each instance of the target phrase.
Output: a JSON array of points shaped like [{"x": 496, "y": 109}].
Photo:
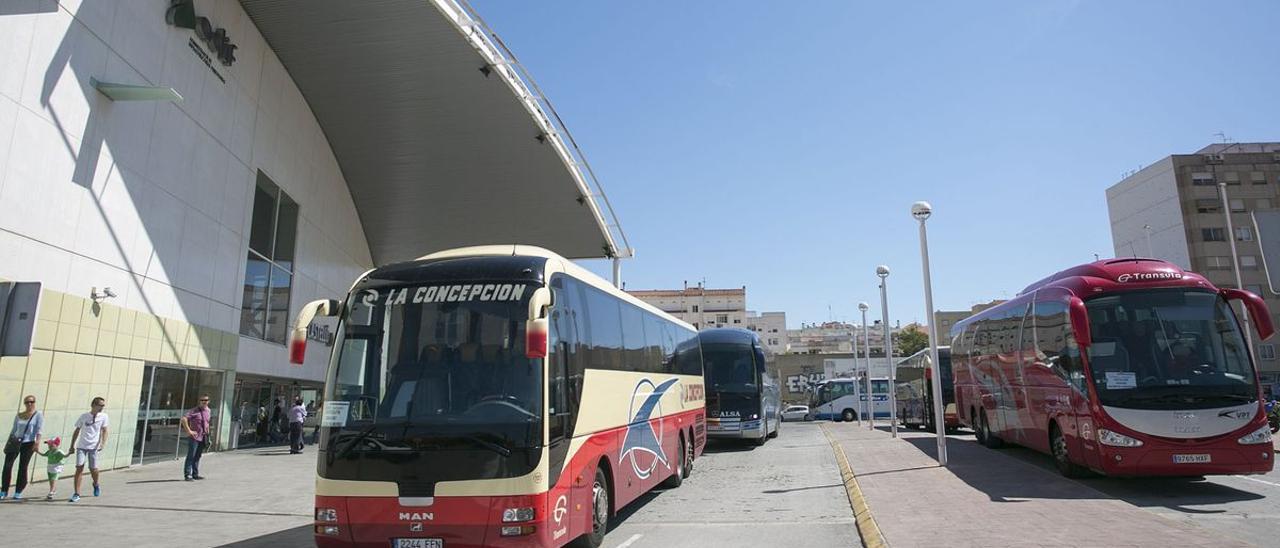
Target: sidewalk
[
  {"x": 984, "y": 498},
  {"x": 255, "y": 497}
]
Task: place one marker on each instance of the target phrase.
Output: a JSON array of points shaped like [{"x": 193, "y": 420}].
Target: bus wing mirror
[
  {"x": 1080, "y": 322},
  {"x": 298, "y": 336},
  {"x": 1258, "y": 313}
]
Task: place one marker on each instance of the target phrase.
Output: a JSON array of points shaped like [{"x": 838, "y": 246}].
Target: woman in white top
[{"x": 23, "y": 438}]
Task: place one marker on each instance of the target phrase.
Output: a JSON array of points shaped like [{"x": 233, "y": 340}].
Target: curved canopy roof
[{"x": 442, "y": 137}]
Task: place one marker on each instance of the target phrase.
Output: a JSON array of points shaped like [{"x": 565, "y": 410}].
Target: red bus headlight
[
  {"x": 1261, "y": 435},
  {"x": 326, "y": 514}
]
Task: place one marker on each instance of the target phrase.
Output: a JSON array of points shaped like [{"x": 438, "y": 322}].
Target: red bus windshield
[{"x": 1168, "y": 349}]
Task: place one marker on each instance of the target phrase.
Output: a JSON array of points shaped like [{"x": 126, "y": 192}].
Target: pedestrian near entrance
[
  {"x": 88, "y": 440},
  {"x": 54, "y": 456},
  {"x": 196, "y": 424},
  {"x": 297, "y": 414},
  {"x": 23, "y": 440}
]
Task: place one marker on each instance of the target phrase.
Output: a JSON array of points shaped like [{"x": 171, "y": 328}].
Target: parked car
[{"x": 796, "y": 413}]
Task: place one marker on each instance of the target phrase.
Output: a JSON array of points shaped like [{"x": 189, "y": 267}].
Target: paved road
[
  {"x": 1244, "y": 507},
  {"x": 787, "y": 493}
]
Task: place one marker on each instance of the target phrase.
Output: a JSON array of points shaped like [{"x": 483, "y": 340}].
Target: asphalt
[
  {"x": 990, "y": 498},
  {"x": 786, "y": 493}
]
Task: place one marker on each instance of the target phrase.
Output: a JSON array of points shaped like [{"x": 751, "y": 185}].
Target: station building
[{"x": 180, "y": 176}]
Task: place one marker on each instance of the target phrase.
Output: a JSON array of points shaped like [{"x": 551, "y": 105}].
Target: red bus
[
  {"x": 1126, "y": 367},
  {"x": 497, "y": 396}
]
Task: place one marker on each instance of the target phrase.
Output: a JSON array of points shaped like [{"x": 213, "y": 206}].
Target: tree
[{"x": 910, "y": 340}]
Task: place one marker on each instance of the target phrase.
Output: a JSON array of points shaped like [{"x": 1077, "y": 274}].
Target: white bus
[{"x": 843, "y": 399}]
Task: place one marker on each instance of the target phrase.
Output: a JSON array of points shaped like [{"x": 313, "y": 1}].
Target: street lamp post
[
  {"x": 855, "y": 366},
  {"x": 883, "y": 272},
  {"x": 921, "y": 212},
  {"x": 866, "y": 375},
  {"x": 1235, "y": 265}
]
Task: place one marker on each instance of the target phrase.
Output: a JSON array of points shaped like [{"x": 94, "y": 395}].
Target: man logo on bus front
[{"x": 642, "y": 443}]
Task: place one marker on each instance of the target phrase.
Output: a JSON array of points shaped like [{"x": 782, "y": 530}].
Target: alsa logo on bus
[
  {"x": 1148, "y": 276},
  {"x": 446, "y": 294},
  {"x": 642, "y": 444}
]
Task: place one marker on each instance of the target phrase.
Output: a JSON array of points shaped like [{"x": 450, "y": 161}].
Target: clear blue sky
[{"x": 779, "y": 145}]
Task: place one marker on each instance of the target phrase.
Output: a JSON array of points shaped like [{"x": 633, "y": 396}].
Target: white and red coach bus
[
  {"x": 1127, "y": 367},
  {"x": 497, "y": 396}
]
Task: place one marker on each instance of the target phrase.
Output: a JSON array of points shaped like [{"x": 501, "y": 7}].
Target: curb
[{"x": 867, "y": 528}]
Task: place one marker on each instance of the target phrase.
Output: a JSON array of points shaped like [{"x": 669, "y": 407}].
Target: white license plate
[
  {"x": 1189, "y": 459},
  {"x": 417, "y": 543}
]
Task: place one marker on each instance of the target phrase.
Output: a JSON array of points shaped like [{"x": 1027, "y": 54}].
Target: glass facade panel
[
  {"x": 286, "y": 232},
  {"x": 277, "y": 312},
  {"x": 253, "y": 311},
  {"x": 262, "y": 231}
]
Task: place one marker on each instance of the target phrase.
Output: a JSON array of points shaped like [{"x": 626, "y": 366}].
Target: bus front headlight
[
  {"x": 1114, "y": 439},
  {"x": 1261, "y": 435}
]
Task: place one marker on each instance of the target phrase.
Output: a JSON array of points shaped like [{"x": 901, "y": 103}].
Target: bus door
[
  {"x": 1056, "y": 371},
  {"x": 569, "y": 488}
]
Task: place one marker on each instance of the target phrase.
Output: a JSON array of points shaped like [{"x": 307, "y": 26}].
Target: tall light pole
[
  {"x": 883, "y": 272},
  {"x": 1147, "y": 229},
  {"x": 1235, "y": 266},
  {"x": 921, "y": 212},
  {"x": 855, "y": 365},
  {"x": 866, "y": 375}
]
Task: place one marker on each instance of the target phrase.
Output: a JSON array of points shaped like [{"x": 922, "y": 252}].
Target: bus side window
[{"x": 1056, "y": 344}]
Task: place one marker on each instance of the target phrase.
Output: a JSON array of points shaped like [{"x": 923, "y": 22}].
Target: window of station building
[
  {"x": 1217, "y": 262},
  {"x": 1213, "y": 234},
  {"x": 1208, "y": 206},
  {"x": 1231, "y": 178},
  {"x": 1237, "y": 205},
  {"x": 1267, "y": 351},
  {"x": 1248, "y": 262},
  {"x": 722, "y": 318},
  {"x": 1264, "y": 203},
  {"x": 1202, "y": 179},
  {"x": 1258, "y": 178},
  {"x": 268, "y": 273},
  {"x": 1244, "y": 234}
]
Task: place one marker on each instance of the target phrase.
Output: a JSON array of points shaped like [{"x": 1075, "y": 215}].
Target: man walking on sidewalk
[
  {"x": 296, "y": 415},
  {"x": 196, "y": 424},
  {"x": 91, "y": 430}
]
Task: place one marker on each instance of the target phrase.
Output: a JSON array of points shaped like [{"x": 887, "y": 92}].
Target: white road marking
[
  {"x": 1273, "y": 484},
  {"x": 630, "y": 541}
]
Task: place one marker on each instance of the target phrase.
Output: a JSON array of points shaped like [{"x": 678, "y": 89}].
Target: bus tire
[
  {"x": 1061, "y": 456},
  {"x": 682, "y": 466},
  {"x": 848, "y": 415},
  {"x": 599, "y": 513},
  {"x": 688, "y": 467},
  {"x": 989, "y": 440}
]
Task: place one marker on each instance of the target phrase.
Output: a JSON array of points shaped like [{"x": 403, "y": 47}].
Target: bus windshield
[
  {"x": 1165, "y": 349},
  {"x": 729, "y": 370},
  {"x": 445, "y": 366}
]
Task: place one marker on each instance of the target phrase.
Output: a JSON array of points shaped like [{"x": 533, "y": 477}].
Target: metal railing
[{"x": 503, "y": 61}]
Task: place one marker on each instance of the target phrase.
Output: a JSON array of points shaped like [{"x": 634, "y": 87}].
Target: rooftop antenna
[{"x": 1095, "y": 258}]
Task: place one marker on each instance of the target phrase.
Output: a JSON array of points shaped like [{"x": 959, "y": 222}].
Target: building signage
[{"x": 182, "y": 14}]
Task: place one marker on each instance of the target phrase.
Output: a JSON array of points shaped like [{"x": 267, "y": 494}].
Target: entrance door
[{"x": 158, "y": 424}]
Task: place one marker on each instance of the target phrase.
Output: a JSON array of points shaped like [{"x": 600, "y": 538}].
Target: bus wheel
[
  {"x": 599, "y": 513},
  {"x": 682, "y": 466},
  {"x": 848, "y": 415},
  {"x": 1062, "y": 459},
  {"x": 985, "y": 436}
]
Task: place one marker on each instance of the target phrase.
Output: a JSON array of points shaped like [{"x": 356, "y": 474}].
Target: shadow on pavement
[
  {"x": 728, "y": 446},
  {"x": 987, "y": 470},
  {"x": 297, "y": 536}
]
